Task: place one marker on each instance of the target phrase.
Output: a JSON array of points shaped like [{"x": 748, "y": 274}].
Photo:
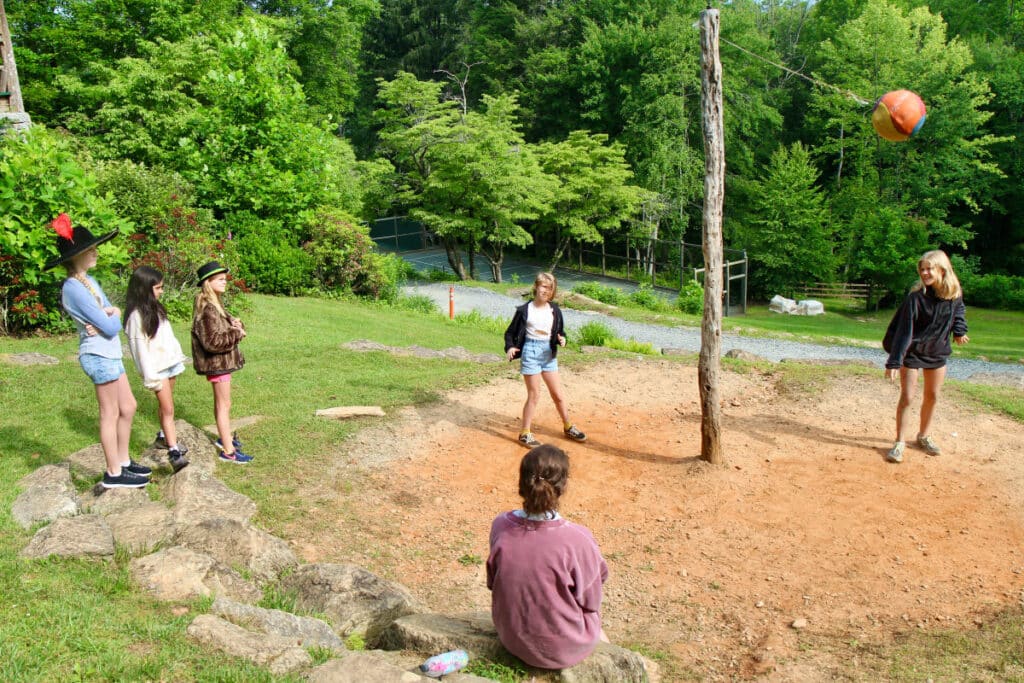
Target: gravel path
[{"x": 495, "y": 305}]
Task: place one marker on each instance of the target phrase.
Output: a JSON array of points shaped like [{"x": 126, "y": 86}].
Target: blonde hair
[
  {"x": 205, "y": 297},
  {"x": 548, "y": 279},
  {"x": 947, "y": 284}
]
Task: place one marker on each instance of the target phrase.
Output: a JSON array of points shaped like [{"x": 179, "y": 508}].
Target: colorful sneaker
[
  {"x": 575, "y": 434},
  {"x": 526, "y": 439},
  {"x": 125, "y": 480},
  {"x": 895, "y": 453},
  {"x": 929, "y": 446},
  {"x": 160, "y": 441},
  {"x": 136, "y": 469},
  {"x": 177, "y": 458},
  {"x": 236, "y": 456},
  {"x": 235, "y": 442}
]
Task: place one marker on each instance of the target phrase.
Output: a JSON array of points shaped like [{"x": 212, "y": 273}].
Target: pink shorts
[{"x": 213, "y": 379}]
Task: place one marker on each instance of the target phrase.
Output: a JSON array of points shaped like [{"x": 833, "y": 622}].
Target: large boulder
[
  {"x": 177, "y": 573},
  {"x": 471, "y": 631},
  {"x": 88, "y": 463},
  {"x": 81, "y": 536},
  {"x": 196, "y": 495},
  {"x": 302, "y": 631},
  {"x": 101, "y": 501},
  {"x": 47, "y": 493},
  {"x": 142, "y": 529},
  {"x": 607, "y": 664},
  {"x": 353, "y": 599},
  {"x": 239, "y": 544},
  {"x": 364, "y": 667},
  {"x": 279, "y": 655}
]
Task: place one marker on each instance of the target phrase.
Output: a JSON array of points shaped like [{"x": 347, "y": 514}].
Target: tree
[
  {"x": 944, "y": 167},
  {"x": 593, "y": 198},
  {"x": 787, "y": 235}
]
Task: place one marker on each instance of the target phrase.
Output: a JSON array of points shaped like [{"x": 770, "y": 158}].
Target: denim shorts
[
  {"x": 173, "y": 371},
  {"x": 101, "y": 370},
  {"x": 537, "y": 357}
]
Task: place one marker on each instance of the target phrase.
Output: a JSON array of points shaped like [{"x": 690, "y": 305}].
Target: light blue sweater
[{"x": 83, "y": 308}]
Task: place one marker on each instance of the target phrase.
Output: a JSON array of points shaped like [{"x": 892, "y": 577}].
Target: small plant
[
  {"x": 320, "y": 655},
  {"x": 275, "y": 598},
  {"x": 468, "y": 560},
  {"x": 477, "y": 319},
  {"x": 416, "y": 302},
  {"x": 511, "y": 672},
  {"x": 595, "y": 334},
  {"x": 355, "y": 642},
  {"x": 631, "y": 346}
]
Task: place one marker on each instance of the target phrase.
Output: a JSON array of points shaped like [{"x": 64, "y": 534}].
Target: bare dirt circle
[{"x": 709, "y": 565}]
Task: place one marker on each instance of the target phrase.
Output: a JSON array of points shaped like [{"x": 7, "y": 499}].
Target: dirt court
[{"x": 711, "y": 565}]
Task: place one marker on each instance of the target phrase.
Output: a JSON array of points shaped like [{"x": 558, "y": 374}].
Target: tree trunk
[
  {"x": 714, "y": 192},
  {"x": 451, "y": 249},
  {"x": 9, "y": 70}
]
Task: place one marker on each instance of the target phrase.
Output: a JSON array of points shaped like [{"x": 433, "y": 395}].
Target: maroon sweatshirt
[{"x": 545, "y": 579}]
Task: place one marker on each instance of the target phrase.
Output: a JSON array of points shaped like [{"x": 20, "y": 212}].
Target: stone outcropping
[{"x": 191, "y": 536}]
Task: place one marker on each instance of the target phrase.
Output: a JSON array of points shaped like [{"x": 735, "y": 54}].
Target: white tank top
[{"x": 539, "y": 322}]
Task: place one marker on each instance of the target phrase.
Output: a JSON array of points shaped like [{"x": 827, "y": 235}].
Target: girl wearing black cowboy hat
[{"x": 99, "y": 350}]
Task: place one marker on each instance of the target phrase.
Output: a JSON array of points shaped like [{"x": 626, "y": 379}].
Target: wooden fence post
[{"x": 714, "y": 192}]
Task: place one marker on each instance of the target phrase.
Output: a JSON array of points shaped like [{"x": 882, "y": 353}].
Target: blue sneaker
[{"x": 237, "y": 456}]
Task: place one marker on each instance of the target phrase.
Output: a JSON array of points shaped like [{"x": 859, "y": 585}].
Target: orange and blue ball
[{"x": 898, "y": 115}]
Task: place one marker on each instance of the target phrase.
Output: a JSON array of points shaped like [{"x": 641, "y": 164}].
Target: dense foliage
[{"x": 283, "y": 126}]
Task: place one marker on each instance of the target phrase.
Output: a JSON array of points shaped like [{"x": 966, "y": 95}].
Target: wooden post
[
  {"x": 714, "y": 191},
  {"x": 8, "y": 70}
]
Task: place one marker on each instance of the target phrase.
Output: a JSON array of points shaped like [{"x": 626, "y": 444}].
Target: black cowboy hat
[
  {"x": 73, "y": 241},
  {"x": 209, "y": 270}
]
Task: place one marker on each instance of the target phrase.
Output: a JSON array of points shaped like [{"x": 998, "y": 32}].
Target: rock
[
  {"x": 472, "y": 631},
  {"x": 363, "y": 667},
  {"x": 88, "y": 463},
  {"x": 176, "y": 574},
  {"x": 302, "y": 631},
  {"x": 141, "y": 529},
  {"x": 238, "y": 544},
  {"x": 607, "y": 664},
  {"x": 196, "y": 495},
  {"x": 277, "y": 654},
  {"x": 740, "y": 354},
  {"x": 28, "y": 358},
  {"x": 81, "y": 536},
  {"x": 364, "y": 345},
  {"x": 101, "y": 501},
  {"x": 799, "y": 623},
  {"x": 353, "y": 599},
  {"x": 342, "y": 412},
  {"x": 48, "y": 493}
]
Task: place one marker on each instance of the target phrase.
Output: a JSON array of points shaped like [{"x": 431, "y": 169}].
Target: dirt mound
[{"x": 712, "y": 565}]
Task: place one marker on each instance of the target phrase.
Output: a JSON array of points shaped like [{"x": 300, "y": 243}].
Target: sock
[{"x": 567, "y": 425}]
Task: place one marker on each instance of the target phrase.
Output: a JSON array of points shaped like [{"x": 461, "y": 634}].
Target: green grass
[{"x": 64, "y": 620}]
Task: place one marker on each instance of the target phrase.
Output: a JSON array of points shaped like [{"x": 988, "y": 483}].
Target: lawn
[{"x": 62, "y": 620}]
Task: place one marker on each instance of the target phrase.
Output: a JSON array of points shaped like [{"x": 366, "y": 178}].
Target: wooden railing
[{"x": 836, "y": 290}]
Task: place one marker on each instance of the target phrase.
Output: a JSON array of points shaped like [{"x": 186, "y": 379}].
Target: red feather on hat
[{"x": 62, "y": 224}]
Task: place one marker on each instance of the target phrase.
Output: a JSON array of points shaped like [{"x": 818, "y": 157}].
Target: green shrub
[
  {"x": 416, "y": 302},
  {"x": 481, "y": 321},
  {"x": 646, "y": 297},
  {"x": 599, "y": 292},
  {"x": 691, "y": 298},
  {"x": 41, "y": 177},
  {"x": 994, "y": 290},
  {"x": 268, "y": 261},
  {"x": 594, "y": 334},
  {"x": 382, "y": 276}
]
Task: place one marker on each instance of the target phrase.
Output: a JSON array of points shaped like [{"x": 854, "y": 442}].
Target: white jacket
[{"x": 152, "y": 355}]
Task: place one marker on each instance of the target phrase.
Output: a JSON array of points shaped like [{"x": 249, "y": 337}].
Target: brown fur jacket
[{"x": 215, "y": 343}]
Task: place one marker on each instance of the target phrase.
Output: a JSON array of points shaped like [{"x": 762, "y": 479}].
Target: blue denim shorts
[
  {"x": 172, "y": 371},
  {"x": 537, "y": 358},
  {"x": 101, "y": 370}
]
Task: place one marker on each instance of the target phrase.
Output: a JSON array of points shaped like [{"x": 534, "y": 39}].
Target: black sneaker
[
  {"x": 125, "y": 480},
  {"x": 160, "y": 441},
  {"x": 136, "y": 469},
  {"x": 575, "y": 434},
  {"x": 177, "y": 458},
  {"x": 527, "y": 439}
]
